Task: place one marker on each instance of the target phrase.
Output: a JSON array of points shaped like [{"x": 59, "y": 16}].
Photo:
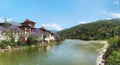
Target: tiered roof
[{"x": 27, "y": 21}]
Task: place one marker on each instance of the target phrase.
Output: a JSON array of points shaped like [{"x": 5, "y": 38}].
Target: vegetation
[
  {"x": 99, "y": 30},
  {"x": 112, "y": 55},
  {"x": 3, "y": 44},
  {"x": 30, "y": 40},
  {"x": 15, "y": 38}
]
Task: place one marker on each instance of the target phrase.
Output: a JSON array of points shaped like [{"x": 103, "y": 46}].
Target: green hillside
[{"x": 98, "y": 30}]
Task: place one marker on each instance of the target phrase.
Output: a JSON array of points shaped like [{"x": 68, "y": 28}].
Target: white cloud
[
  {"x": 3, "y": 19},
  {"x": 84, "y": 22},
  {"x": 108, "y": 18},
  {"x": 9, "y": 19},
  {"x": 117, "y": 2},
  {"x": 114, "y": 15},
  {"x": 52, "y": 25}
]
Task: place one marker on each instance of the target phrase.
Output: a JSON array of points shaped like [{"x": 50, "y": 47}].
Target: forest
[{"x": 98, "y": 30}]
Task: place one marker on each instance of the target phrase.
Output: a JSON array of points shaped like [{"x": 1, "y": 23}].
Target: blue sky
[{"x": 59, "y": 14}]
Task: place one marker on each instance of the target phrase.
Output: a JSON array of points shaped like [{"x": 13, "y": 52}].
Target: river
[{"x": 69, "y": 52}]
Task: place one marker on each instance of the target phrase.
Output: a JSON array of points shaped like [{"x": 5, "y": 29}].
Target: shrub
[
  {"x": 3, "y": 44},
  {"x": 114, "y": 41},
  {"x": 30, "y": 40},
  {"x": 113, "y": 59},
  {"x": 112, "y": 55}
]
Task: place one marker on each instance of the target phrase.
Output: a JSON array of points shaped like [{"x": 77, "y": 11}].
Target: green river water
[{"x": 69, "y": 52}]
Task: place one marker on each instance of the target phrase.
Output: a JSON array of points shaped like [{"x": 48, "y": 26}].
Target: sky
[{"x": 59, "y": 14}]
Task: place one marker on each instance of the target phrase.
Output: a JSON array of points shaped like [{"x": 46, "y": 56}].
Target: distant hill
[
  {"x": 54, "y": 31},
  {"x": 15, "y": 23},
  {"x": 98, "y": 30}
]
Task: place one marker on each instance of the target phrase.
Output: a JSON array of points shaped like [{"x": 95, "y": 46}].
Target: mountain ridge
[{"x": 98, "y": 30}]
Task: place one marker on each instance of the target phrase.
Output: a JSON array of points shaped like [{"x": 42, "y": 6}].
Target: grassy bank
[
  {"x": 112, "y": 55},
  {"x": 11, "y": 45}
]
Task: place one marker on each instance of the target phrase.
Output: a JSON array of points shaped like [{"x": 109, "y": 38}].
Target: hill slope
[{"x": 99, "y": 30}]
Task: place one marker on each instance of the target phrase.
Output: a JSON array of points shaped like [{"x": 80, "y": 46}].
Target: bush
[
  {"x": 113, "y": 59},
  {"x": 114, "y": 41},
  {"x": 19, "y": 43},
  {"x": 3, "y": 44},
  {"x": 84, "y": 37},
  {"x": 13, "y": 44},
  {"x": 112, "y": 55},
  {"x": 30, "y": 40}
]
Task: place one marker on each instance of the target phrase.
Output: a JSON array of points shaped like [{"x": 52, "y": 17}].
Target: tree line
[{"x": 98, "y": 30}]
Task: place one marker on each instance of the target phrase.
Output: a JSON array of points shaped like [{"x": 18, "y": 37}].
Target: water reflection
[
  {"x": 67, "y": 53},
  {"x": 44, "y": 48}
]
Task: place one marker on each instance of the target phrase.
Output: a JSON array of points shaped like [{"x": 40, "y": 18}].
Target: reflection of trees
[
  {"x": 48, "y": 47},
  {"x": 44, "y": 48}
]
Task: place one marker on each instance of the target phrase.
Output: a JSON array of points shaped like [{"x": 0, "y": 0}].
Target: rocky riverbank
[{"x": 101, "y": 51}]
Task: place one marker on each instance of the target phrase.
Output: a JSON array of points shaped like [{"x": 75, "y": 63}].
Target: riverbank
[
  {"x": 67, "y": 52},
  {"x": 99, "y": 60},
  {"x": 22, "y": 47},
  {"x": 101, "y": 51}
]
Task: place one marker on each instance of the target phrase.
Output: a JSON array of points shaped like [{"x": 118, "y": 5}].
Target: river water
[{"x": 69, "y": 52}]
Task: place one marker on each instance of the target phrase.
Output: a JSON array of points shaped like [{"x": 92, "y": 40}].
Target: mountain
[
  {"x": 98, "y": 30},
  {"x": 54, "y": 31},
  {"x": 15, "y": 23}
]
